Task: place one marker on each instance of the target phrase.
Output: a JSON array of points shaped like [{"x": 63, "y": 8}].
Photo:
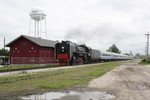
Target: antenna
[{"x": 37, "y": 15}]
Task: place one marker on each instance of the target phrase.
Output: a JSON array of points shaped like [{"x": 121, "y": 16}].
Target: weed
[{"x": 58, "y": 79}]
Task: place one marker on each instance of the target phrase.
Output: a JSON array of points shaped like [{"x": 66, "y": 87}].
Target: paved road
[{"x": 129, "y": 81}]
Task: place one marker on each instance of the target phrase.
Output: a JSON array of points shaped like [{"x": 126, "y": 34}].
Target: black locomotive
[{"x": 68, "y": 53}]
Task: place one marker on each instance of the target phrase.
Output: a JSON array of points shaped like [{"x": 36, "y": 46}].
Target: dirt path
[
  {"x": 22, "y": 72},
  {"x": 127, "y": 82}
]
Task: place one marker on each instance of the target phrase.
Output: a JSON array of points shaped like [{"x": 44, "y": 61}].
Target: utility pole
[
  {"x": 4, "y": 45},
  {"x": 147, "y": 46},
  {"x": 4, "y": 51}
]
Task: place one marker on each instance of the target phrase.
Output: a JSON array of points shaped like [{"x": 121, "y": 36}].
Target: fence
[{"x": 32, "y": 60}]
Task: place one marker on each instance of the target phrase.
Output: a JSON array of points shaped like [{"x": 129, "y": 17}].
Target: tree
[
  {"x": 127, "y": 54},
  {"x": 4, "y": 52},
  {"x": 114, "y": 49},
  {"x": 139, "y": 56},
  {"x": 131, "y": 54}
]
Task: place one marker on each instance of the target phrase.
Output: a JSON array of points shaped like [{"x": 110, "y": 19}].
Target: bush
[{"x": 144, "y": 60}]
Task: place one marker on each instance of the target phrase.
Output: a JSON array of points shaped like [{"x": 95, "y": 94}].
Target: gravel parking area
[{"x": 129, "y": 81}]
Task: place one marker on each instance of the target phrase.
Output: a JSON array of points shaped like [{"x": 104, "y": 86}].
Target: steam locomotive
[{"x": 69, "y": 53}]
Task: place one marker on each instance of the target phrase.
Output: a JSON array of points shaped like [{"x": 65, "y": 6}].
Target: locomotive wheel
[
  {"x": 68, "y": 63},
  {"x": 73, "y": 61},
  {"x": 79, "y": 61}
]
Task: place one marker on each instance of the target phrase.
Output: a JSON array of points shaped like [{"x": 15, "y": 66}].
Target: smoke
[
  {"x": 99, "y": 33},
  {"x": 102, "y": 36},
  {"x": 79, "y": 35}
]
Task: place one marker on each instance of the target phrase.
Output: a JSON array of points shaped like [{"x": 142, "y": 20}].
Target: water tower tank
[{"x": 37, "y": 14}]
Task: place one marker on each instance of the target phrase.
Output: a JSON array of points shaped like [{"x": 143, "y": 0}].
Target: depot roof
[{"x": 38, "y": 41}]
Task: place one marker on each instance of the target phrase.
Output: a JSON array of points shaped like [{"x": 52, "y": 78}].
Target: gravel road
[
  {"x": 22, "y": 72},
  {"x": 129, "y": 81}
]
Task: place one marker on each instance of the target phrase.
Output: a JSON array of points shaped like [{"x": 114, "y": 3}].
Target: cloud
[
  {"x": 98, "y": 23},
  {"x": 104, "y": 35}
]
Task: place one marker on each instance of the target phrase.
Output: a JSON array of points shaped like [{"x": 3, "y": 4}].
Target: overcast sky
[{"x": 97, "y": 23}]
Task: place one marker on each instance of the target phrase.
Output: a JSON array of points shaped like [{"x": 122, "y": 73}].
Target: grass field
[
  {"x": 52, "y": 80},
  {"x": 144, "y": 62}
]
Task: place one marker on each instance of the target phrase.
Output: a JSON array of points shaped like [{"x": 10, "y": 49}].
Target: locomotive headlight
[{"x": 62, "y": 47}]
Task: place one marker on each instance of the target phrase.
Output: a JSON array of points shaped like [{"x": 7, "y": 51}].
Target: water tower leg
[
  {"x": 30, "y": 26},
  {"x": 38, "y": 29},
  {"x": 45, "y": 29},
  {"x": 35, "y": 29}
]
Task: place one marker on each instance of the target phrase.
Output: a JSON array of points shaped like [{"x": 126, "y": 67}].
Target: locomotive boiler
[{"x": 68, "y": 53}]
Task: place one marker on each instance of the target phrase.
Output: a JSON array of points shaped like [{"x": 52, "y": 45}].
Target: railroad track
[
  {"x": 21, "y": 69},
  {"x": 12, "y": 72},
  {"x": 34, "y": 68}
]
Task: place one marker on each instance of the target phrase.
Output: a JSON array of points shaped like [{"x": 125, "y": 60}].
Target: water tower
[{"x": 38, "y": 16}]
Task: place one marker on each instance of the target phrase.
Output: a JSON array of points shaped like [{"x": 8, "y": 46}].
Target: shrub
[{"x": 144, "y": 60}]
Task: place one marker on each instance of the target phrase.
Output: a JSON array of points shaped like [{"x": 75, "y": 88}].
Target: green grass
[
  {"x": 144, "y": 62},
  {"x": 53, "y": 80}
]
